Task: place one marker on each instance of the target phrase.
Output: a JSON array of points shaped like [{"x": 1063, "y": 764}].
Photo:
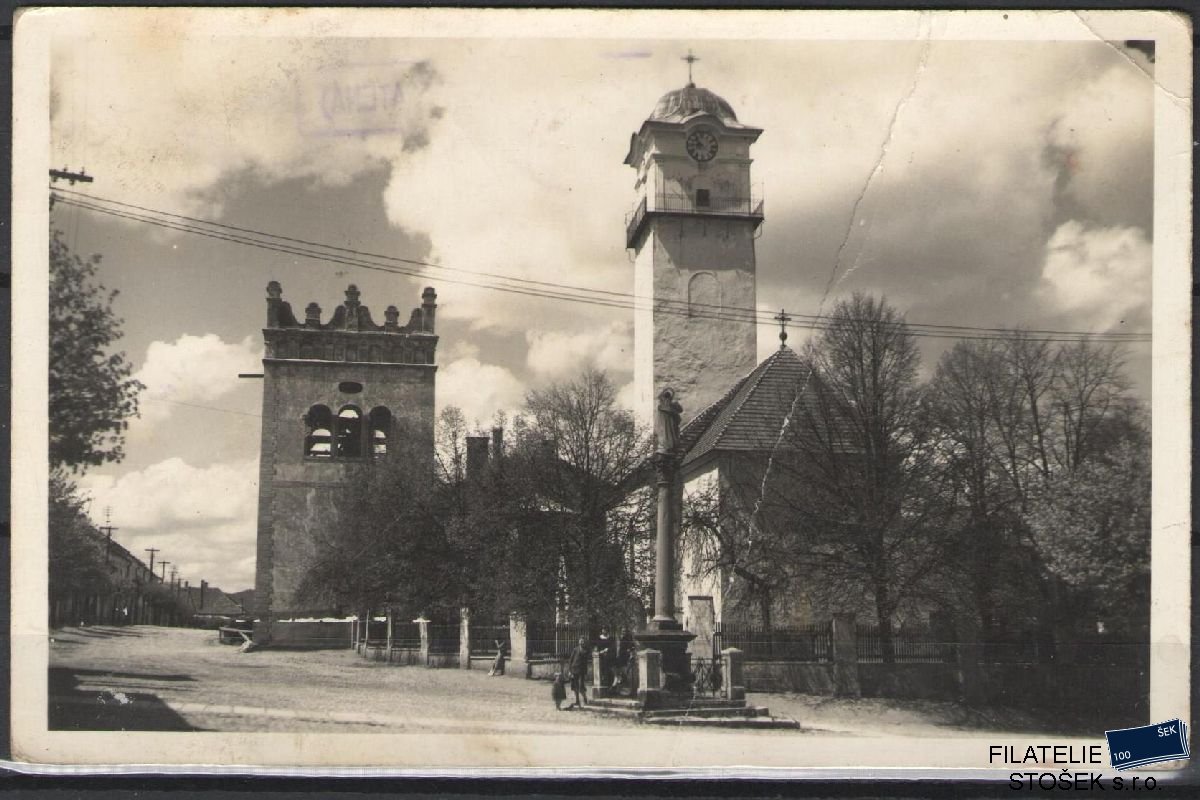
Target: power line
[
  {"x": 760, "y": 314},
  {"x": 612, "y": 299},
  {"x": 529, "y": 287},
  {"x": 198, "y": 405},
  {"x": 761, "y": 317},
  {"x": 678, "y": 308}
]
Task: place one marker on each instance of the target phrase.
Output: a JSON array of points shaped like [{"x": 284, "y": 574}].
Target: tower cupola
[{"x": 692, "y": 230}]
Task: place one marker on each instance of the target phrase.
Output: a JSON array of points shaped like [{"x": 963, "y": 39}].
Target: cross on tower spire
[
  {"x": 783, "y": 318},
  {"x": 690, "y": 59}
]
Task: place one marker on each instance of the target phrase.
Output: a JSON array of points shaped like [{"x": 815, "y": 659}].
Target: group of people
[{"x": 618, "y": 665}]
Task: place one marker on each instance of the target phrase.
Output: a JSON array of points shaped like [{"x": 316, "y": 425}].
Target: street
[{"x": 180, "y": 679}]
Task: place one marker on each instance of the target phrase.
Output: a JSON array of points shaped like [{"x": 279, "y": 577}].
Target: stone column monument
[{"x": 664, "y": 633}]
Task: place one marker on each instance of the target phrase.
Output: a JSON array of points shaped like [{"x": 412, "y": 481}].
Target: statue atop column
[{"x": 666, "y": 422}]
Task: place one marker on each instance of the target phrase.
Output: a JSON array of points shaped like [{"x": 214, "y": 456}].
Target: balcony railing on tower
[{"x": 701, "y": 202}]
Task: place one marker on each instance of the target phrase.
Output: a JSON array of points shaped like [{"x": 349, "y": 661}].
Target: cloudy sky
[{"x": 972, "y": 182}]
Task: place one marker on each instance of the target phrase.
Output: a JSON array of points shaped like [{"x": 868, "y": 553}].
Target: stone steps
[
  {"x": 707, "y": 713},
  {"x": 753, "y": 723},
  {"x": 698, "y": 703},
  {"x": 713, "y": 712}
]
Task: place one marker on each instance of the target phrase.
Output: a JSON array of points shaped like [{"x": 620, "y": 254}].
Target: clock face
[{"x": 702, "y": 145}]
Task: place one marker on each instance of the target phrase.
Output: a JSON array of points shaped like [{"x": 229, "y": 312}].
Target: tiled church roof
[{"x": 750, "y": 415}]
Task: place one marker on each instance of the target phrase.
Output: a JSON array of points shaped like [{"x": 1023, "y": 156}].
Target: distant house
[{"x": 210, "y": 607}]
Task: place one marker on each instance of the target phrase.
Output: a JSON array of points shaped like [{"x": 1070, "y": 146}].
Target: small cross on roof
[
  {"x": 783, "y": 318},
  {"x": 690, "y": 59}
]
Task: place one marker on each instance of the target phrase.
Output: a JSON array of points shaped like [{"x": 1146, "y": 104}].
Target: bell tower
[
  {"x": 338, "y": 396},
  {"x": 692, "y": 230}
]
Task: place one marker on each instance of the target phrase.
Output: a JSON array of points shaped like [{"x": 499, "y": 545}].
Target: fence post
[
  {"x": 733, "y": 685},
  {"x": 598, "y": 687},
  {"x": 649, "y": 691},
  {"x": 845, "y": 656},
  {"x": 518, "y": 646},
  {"x": 388, "y": 657},
  {"x": 464, "y": 638},
  {"x": 423, "y": 625}
]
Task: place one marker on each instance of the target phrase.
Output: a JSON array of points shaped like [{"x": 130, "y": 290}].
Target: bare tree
[
  {"x": 584, "y": 450},
  {"x": 1016, "y": 418},
  {"x": 449, "y": 444},
  {"x": 1089, "y": 390},
  {"x": 845, "y": 504}
]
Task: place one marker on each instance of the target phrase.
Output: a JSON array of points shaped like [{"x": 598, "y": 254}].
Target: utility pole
[
  {"x": 152, "y": 551},
  {"x": 66, "y": 175},
  {"x": 163, "y": 577}
]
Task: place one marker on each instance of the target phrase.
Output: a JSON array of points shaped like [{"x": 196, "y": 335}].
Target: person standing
[
  {"x": 606, "y": 647},
  {"x": 578, "y": 666},
  {"x": 498, "y": 664},
  {"x": 626, "y": 660}
]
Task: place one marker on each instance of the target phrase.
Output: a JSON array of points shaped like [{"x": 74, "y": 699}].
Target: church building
[
  {"x": 692, "y": 232},
  {"x": 337, "y": 395}
]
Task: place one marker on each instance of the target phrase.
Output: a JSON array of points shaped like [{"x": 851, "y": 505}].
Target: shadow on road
[
  {"x": 76, "y": 709},
  {"x": 144, "y": 676},
  {"x": 100, "y": 633}
]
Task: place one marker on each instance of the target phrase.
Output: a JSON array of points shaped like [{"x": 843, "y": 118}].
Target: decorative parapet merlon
[
  {"x": 351, "y": 315},
  {"x": 350, "y": 334}
]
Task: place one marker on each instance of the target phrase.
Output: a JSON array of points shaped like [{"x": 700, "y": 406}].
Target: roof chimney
[{"x": 477, "y": 456}]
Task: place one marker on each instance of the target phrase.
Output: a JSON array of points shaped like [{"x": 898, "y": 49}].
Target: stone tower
[
  {"x": 693, "y": 228},
  {"x": 337, "y": 396}
]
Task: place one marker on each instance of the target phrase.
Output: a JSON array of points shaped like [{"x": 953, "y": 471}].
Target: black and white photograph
[{"x": 532, "y": 389}]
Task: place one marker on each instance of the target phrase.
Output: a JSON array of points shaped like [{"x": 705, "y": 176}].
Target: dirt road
[{"x": 151, "y": 678}]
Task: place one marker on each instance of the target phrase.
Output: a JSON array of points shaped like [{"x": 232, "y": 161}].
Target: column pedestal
[{"x": 671, "y": 641}]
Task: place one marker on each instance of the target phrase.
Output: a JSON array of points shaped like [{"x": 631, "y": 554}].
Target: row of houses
[{"x": 134, "y": 595}]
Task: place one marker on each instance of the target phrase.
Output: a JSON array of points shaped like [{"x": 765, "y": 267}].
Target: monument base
[{"x": 671, "y": 640}]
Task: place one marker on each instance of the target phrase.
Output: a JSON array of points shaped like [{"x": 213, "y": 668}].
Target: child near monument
[{"x": 559, "y": 690}]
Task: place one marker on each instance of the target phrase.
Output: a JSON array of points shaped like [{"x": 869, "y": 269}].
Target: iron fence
[
  {"x": 908, "y": 646},
  {"x": 698, "y": 203},
  {"x": 443, "y": 639},
  {"x": 555, "y": 640},
  {"x": 406, "y": 635},
  {"x": 484, "y": 637},
  {"x": 706, "y": 676},
  {"x": 810, "y": 643}
]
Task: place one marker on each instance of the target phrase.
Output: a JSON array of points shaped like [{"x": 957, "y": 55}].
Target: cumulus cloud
[
  {"x": 507, "y": 155},
  {"x": 1101, "y": 275},
  {"x": 202, "y": 520},
  {"x": 192, "y": 370},
  {"x": 327, "y": 108},
  {"x": 479, "y": 390},
  {"x": 559, "y": 354}
]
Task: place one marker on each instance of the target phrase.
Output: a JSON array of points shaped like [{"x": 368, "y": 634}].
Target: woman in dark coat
[
  {"x": 626, "y": 662},
  {"x": 606, "y": 647}
]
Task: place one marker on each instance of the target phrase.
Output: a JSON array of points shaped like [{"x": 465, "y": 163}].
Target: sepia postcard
[{"x": 565, "y": 392}]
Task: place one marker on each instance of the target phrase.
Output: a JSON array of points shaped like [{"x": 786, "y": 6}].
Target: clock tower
[{"x": 692, "y": 231}]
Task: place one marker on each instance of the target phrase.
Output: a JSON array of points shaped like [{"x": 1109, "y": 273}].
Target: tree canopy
[
  {"x": 92, "y": 393},
  {"x": 1010, "y": 490},
  {"x": 544, "y": 528}
]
